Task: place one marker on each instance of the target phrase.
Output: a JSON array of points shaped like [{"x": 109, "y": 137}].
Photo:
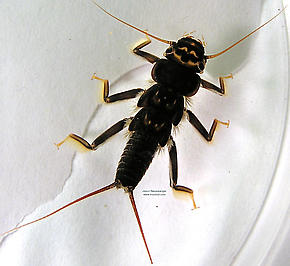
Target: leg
[
  {"x": 201, "y": 129},
  {"x": 149, "y": 57},
  {"x": 100, "y": 139},
  {"x": 173, "y": 171},
  {"x": 209, "y": 86},
  {"x": 118, "y": 96}
]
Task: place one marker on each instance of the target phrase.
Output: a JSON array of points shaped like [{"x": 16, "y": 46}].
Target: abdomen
[{"x": 136, "y": 158}]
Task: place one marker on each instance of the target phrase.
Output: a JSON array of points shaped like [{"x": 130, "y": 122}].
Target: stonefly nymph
[{"x": 162, "y": 106}]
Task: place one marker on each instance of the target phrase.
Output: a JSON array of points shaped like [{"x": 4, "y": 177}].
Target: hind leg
[{"x": 173, "y": 171}]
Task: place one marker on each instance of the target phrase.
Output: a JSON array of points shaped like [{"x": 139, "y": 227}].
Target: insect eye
[{"x": 169, "y": 50}]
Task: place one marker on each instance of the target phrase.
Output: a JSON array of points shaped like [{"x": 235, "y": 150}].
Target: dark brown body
[{"x": 162, "y": 106}]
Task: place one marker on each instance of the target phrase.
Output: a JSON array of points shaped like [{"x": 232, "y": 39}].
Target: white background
[{"x": 49, "y": 50}]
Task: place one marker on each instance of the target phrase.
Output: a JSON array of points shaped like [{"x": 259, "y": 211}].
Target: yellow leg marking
[
  {"x": 194, "y": 204},
  {"x": 186, "y": 190},
  {"x": 82, "y": 144},
  {"x": 223, "y": 123},
  {"x": 62, "y": 142},
  {"x": 230, "y": 76},
  {"x": 95, "y": 77},
  {"x": 142, "y": 44},
  {"x": 105, "y": 84},
  {"x": 222, "y": 81}
]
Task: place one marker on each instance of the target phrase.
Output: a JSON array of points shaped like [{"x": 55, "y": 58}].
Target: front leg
[
  {"x": 220, "y": 90},
  {"x": 173, "y": 171},
  {"x": 149, "y": 57},
  {"x": 118, "y": 96}
]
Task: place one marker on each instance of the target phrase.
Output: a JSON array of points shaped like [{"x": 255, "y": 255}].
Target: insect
[{"x": 161, "y": 107}]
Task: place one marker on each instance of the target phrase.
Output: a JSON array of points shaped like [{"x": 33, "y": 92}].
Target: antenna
[
  {"x": 245, "y": 37},
  {"x": 132, "y": 26}
]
